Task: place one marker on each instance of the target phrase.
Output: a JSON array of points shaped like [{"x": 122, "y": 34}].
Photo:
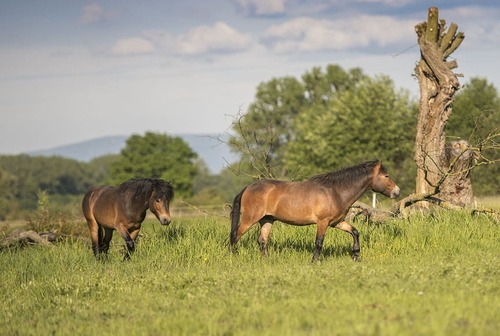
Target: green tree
[
  {"x": 267, "y": 127},
  {"x": 55, "y": 175},
  {"x": 367, "y": 121},
  {"x": 476, "y": 113},
  {"x": 321, "y": 86},
  {"x": 156, "y": 155},
  {"x": 264, "y": 131},
  {"x": 99, "y": 168},
  {"x": 8, "y": 202}
]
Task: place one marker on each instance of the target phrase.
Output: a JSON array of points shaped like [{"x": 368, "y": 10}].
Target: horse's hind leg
[
  {"x": 246, "y": 222},
  {"x": 108, "y": 234},
  {"x": 266, "y": 225},
  {"x": 94, "y": 235},
  {"x": 320, "y": 236},
  {"x": 344, "y": 226}
]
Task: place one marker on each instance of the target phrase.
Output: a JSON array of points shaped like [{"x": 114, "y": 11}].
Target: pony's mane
[
  {"x": 346, "y": 175},
  {"x": 138, "y": 187}
]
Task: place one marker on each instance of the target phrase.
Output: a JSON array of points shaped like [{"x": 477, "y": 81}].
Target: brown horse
[
  {"x": 123, "y": 208},
  {"x": 323, "y": 200}
]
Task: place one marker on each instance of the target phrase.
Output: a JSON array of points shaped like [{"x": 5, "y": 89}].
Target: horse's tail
[{"x": 235, "y": 217}]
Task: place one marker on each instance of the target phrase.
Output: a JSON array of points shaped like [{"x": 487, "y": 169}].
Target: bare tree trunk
[
  {"x": 438, "y": 85},
  {"x": 457, "y": 187}
]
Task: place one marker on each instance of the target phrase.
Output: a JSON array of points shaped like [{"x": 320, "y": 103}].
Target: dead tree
[
  {"x": 438, "y": 85},
  {"x": 457, "y": 187},
  {"x": 26, "y": 238}
]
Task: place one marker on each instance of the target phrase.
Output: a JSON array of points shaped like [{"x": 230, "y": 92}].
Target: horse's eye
[{"x": 158, "y": 200}]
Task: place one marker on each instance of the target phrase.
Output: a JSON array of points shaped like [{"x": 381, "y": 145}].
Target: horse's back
[{"x": 277, "y": 188}]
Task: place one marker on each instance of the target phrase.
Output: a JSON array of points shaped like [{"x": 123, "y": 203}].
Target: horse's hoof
[{"x": 355, "y": 258}]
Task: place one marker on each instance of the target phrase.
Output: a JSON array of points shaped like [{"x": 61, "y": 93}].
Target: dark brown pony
[
  {"x": 123, "y": 208},
  {"x": 323, "y": 200}
]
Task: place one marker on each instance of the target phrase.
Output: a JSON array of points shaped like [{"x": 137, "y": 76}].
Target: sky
[{"x": 73, "y": 70}]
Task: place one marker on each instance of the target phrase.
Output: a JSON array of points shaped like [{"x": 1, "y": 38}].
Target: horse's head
[
  {"x": 159, "y": 201},
  {"x": 382, "y": 183}
]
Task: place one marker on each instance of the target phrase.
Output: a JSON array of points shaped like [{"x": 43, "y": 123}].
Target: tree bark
[
  {"x": 457, "y": 187},
  {"x": 438, "y": 85}
]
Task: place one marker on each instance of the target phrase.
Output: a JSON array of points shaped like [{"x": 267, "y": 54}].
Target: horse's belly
[
  {"x": 300, "y": 214},
  {"x": 298, "y": 207}
]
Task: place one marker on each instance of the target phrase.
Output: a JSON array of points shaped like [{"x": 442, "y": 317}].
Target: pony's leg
[
  {"x": 320, "y": 236},
  {"x": 265, "y": 230},
  {"x": 344, "y": 226},
  {"x": 94, "y": 235},
  {"x": 134, "y": 234},
  {"x": 108, "y": 234},
  {"x": 128, "y": 240},
  {"x": 246, "y": 222}
]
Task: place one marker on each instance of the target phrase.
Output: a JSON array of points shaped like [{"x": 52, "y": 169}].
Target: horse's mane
[
  {"x": 139, "y": 187},
  {"x": 346, "y": 175}
]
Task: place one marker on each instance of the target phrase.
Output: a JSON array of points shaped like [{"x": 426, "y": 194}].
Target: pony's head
[
  {"x": 382, "y": 183},
  {"x": 159, "y": 201}
]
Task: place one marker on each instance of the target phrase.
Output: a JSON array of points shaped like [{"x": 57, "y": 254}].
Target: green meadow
[{"x": 427, "y": 275}]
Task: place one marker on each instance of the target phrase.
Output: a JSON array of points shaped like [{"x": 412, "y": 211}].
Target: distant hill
[{"x": 214, "y": 153}]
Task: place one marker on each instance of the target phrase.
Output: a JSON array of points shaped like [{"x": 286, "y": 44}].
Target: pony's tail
[{"x": 235, "y": 218}]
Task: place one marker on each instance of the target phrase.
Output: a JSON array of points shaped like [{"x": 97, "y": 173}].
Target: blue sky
[{"x": 75, "y": 70}]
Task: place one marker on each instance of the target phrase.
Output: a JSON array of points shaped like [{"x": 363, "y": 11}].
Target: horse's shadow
[
  {"x": 328, "y": 251},
  {"x": 286, "y": 245}
]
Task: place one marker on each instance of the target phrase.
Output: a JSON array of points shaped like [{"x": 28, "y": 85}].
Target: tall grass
[{"x": 428, "y": 275}]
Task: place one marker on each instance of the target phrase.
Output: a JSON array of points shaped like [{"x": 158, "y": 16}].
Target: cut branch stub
[{"x": 432, "y": 27}]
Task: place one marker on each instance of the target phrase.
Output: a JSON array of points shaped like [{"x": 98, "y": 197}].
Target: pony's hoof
[{"x": 355, "y": 258}]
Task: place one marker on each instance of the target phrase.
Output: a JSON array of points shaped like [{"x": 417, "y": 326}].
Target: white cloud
[
  {"x": 308, "y": 34},
  {"x": 480, "y": 25},
  {"x": 263, "y": 7},
  {"x": 92, "y": 13},
  {"x": 392, "y": 3},
  {"x": 132, "y": 46},
  {"x": 217, "y": 38}
]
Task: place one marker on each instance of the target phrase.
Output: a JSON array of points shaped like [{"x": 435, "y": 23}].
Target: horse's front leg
[
  {"x": 320, "y": 236},
  {"x": 344, "y": 226},
  {"x": 129, "y": 242}
]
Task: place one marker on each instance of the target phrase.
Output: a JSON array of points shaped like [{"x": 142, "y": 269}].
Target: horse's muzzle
[
  {"x": 395, "y": 192},
  {"x": 165, "y": 220}
]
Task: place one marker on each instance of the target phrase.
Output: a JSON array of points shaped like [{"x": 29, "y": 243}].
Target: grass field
[{"x": 428, "y": 275}]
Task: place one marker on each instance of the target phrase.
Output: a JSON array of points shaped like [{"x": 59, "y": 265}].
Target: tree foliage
[
  {"x": 476, "y": 113},
  {"x": 321, "y": 86},
  {"x": 264, "y": 131},
  {"x": 336, "y": 118},
  {"x": 22, "y": 177},
  {"x": 7, "y": 193},
  {"x": 368, "y": 121},
  {"x": 156, "y": 155}
]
